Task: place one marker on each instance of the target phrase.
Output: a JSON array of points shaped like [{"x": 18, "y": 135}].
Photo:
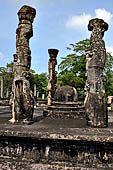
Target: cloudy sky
[{"x": 57, "y": 24}]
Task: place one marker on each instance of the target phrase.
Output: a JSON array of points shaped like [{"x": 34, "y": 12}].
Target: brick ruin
[
  {"x": 22, "y": 100},
  {"x": 95, "y": 101}
]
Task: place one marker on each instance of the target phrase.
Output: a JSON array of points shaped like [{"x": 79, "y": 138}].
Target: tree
[
  {"x": 73, "y": 68},
  {"x": 7, "y": 74},
  {"x": 41, "y": 82},
  {"x": 108, "y": 71}
]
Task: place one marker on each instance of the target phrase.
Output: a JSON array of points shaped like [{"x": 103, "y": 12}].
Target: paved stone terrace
[
  {"x": 48, "y": 128},
  {"x": 54, "y": 128}
]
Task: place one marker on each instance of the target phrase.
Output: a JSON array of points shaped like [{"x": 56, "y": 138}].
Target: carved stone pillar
[
  {"x": 95, "y": 101},
  {"x": 22, "y": 100},
  {"x": 52, "y": 74}
]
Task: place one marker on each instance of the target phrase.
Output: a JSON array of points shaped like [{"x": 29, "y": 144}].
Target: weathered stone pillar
[
  {"x": 34, "y": 90},
  {"x": 2, "y": 87},
  {"x": 22, "y": 100},
  {"x": 52, "y": 74},
  {"x": 7, "y": 92},
  {"x": 95, "y": 101}
]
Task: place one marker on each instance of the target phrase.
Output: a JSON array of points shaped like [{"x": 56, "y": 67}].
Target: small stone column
[
  {"x": 95, "y": 101},
  {"x": 22, "y": 100},
  {"x": 34, "y": 90},
  {"x": 7, "y": 92},
  {"x": 52, "y": 74},
  {"x": 2, "y": 87}
]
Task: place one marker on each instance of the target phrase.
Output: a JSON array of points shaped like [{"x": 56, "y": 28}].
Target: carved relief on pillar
[
  {"x": 52, "y": 74},
  {"x": 22, "y": 100},
  {"x": 95, "y": 101}
]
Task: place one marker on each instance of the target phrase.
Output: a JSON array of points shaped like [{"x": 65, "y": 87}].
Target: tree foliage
[
  {"x": 7, "y": 74},
  {"x": 40, "y": 80},
  {"x": 73, "y": 67}
]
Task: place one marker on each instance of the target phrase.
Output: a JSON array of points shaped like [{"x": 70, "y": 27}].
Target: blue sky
[{"x": 57, "y": 24}]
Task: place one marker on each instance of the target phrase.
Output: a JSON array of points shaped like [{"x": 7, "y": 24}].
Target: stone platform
[
  {"x": 54, "y": 144},
  {"x": 65, "y": 110}
]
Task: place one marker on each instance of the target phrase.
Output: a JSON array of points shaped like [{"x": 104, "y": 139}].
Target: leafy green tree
[
  {"x": 41, "y": 81},
  {"x": 73, "y": 67},
  {"x": 7, "y": 74},
  {"x": 108, "y": 71}
]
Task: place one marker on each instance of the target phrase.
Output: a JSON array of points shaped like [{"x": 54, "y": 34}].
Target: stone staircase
[{"x": 65, "y": 110}]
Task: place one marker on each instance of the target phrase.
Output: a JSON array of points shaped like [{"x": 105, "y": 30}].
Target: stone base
[
  {"x": 65, "y": 110},
  {"x": 27, "y": 122},
  {"x": 96, "y": 110},
  {"x": 55, "y": 144},
  {"x": 75, "y": 148}
]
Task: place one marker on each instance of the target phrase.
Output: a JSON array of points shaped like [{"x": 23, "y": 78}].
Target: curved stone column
[
  {"x": 22, "y": 100},
  {"x": 95, "y": 101},
  {"x": 52, "y": 74}
]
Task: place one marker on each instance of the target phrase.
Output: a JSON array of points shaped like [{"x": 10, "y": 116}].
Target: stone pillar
[
  {"x": 37, "y": 95},
  {"x": 2, "y": 87},
  {"x": 43, "y": 96},
  {"x": 34, "y": 90},
  {"x": 95, "y": 101},
  {"x": 7, "y": 92},
  {"x": 22, "y": 100},
  {"x": 52, "y": 74}
]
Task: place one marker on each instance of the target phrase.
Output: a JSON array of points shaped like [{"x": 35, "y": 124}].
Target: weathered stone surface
[
  {"x": 52, "y": 74},
  {"x": 95, "y": 101},
  {"x": 66, "y": 94},
  {"x": 65, "y": 110},
  {"x": 22, "y": 100},
  {"x": 55, "y": 144},
  {"x": 63, "y": 147}
]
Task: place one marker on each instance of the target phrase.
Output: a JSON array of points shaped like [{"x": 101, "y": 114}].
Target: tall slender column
[
  {"x": 7, "y": 92},
  {"x": 95, "y": 101},
  {"x": 2, "y": 87},
  {"x": 34, "y": 90},
  {"x": 22, "y": 100},
  {"x": 52, "y": 74}
]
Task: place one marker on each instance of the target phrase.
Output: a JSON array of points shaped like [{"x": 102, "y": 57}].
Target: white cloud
[
  {"x": 110, "y": 50},
  {"x": 103, "y": 14},
  {"x": 80, "y": 22},
  {"x": 2, "y": 56}
]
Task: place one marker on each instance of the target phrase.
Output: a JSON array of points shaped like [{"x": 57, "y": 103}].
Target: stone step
[
  {"x": 70, "y": 104},
  {"x": 64, "y": 108},
  {"x": 64, "y": 114}
]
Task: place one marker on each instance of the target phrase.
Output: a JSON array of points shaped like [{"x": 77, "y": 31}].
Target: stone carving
[
  {"x": 66, "y": 94},
  {"x": 95, "y": 101},
  {"x": 52, "y": 74},
  {"x": 22, "y": 100}
]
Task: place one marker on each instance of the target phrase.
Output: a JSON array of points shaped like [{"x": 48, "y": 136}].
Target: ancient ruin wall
[
  {"x": 22, "y": 101},
  {"x": 95, "y": 101}
]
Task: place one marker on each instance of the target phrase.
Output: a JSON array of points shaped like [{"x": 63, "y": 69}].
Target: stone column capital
[
  {"x": 53, "y": 53},
  {"x": 27, "y": 13},
  {"x": 98, "y": 24}
]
